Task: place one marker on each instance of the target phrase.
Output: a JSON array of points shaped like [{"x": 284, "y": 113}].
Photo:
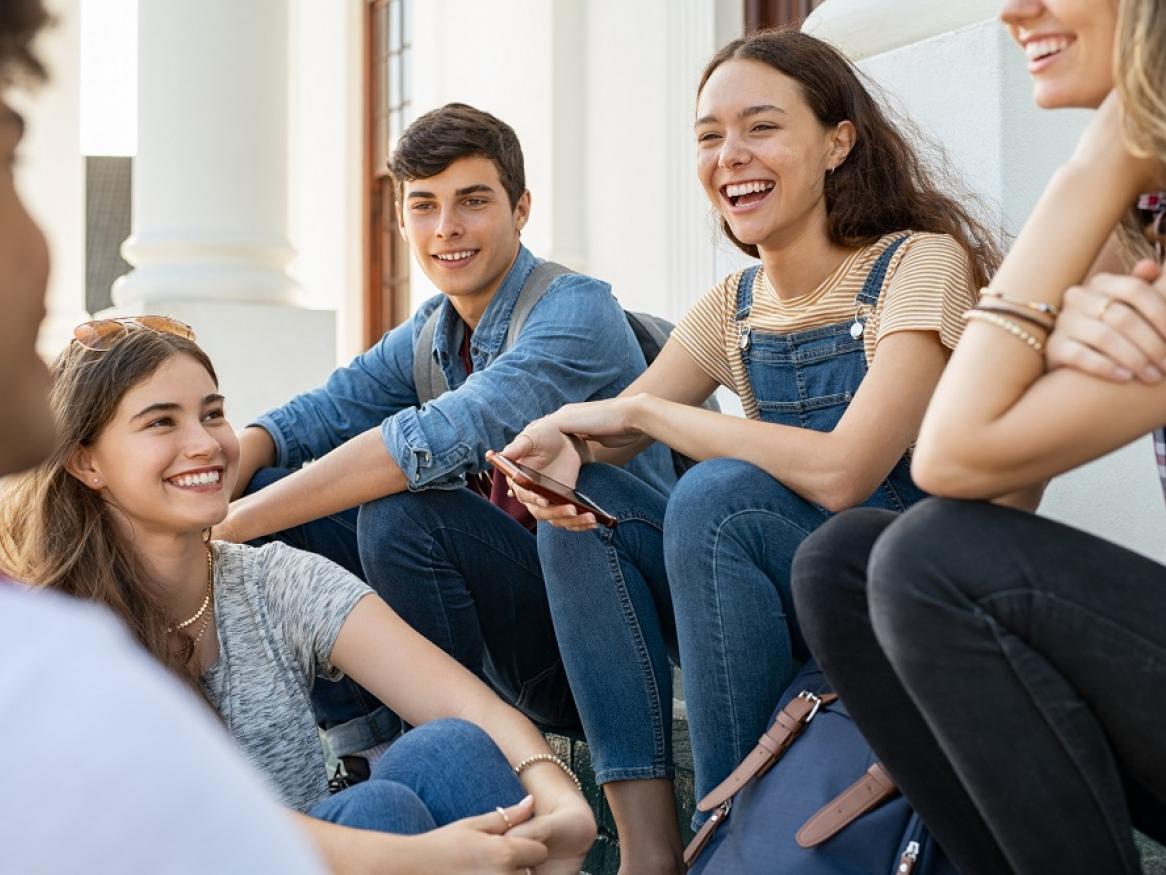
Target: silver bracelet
[{"x": 548, "y": 758}]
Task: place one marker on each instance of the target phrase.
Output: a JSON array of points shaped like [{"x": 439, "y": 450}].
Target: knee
[
  {"x": 830, "y": 567},
  {"x": 424, "y": 749},
  {"x": 381, "y": 805},
  {"x": 708, "y": 491},
  {"x": 916, "y": 566}
]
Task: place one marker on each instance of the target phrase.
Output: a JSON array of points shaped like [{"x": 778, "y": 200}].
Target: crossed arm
[{"x": 998, "y": 422}]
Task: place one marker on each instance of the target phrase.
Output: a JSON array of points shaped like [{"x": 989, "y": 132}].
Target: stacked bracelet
[
  {"x": 548, "y": 758},
  {"x": 1024, "y": 317},
  {"x": 1037, "y": 306},
  {"x": 1013, "y": 328}
]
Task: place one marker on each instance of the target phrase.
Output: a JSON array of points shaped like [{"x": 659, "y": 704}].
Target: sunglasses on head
[{"x": 100, "y": 334}]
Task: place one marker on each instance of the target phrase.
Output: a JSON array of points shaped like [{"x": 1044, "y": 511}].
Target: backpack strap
[
  {"x": 428, "y": 378},
  {"x": 536, "y": 285},
  {"x": 870, "y": 791},
  {"x": 789, "y": 723},
  {"x": 786, "y": 727}
]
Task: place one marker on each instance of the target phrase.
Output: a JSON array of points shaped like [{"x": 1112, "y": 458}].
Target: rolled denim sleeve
[
  {"x": 576, "y": 345},
  {"x": 359, "y": 396}
]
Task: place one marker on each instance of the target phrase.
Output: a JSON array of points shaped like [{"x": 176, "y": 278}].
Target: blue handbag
[{"x": 811, "y": 799}]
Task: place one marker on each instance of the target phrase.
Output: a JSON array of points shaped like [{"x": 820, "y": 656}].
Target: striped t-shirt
[{"x": 928, "y": 287}]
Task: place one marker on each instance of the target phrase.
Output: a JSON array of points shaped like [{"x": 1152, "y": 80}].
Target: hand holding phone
[{"x": 550, "y": 489}]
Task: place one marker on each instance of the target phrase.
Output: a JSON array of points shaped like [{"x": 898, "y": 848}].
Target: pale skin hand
[
  {"x": 1114, "y": 327},
  {"x": 372, "y": 646},
  {"x": 481, "y": 844},
  {"x": 836, "y": 469}
]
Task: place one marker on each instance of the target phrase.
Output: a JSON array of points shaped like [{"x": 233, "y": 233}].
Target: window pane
[
  {"x": 396, "y": 81},
  {"x": 406, "y": 22},
  {"x": 404, "y": 75},
  {"x": 394, "y": 24}
]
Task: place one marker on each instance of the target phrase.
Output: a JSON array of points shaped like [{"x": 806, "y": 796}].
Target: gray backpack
[{"x": 651, "y": 334}]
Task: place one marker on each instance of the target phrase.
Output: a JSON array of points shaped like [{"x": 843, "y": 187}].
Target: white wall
[
  {"x": 967, "y": 87},
  {"x": 325, "y": 162}
]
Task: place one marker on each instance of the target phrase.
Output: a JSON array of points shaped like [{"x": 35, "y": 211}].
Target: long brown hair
[
  {"x": 58, "y": 533},
  {"x": 883, "y": 186}
]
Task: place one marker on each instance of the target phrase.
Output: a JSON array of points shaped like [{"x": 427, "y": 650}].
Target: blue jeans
[
  {"x": 463, "y": 574},
  {"x": 435, "y": 774},
  {"x": 703, "y": 575}
]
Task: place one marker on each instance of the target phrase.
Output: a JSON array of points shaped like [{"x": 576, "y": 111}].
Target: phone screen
[{"x": 548, "y": 487}]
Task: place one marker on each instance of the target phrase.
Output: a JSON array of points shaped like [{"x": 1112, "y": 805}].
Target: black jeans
[{"x": 1010, "y": 672}]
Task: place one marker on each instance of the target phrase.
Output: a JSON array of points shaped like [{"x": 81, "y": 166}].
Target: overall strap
[
  {"x": 428, "y": 378},
  {"x": 873, "y": 286},
  {"x": 745, "y": 284},
  {"x": 536, "y": 285}
]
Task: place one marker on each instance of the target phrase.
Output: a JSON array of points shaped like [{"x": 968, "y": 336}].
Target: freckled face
[
  {"x": 168, "y": 458},
  {"x": 1069, "y": 46},
  {"x": 762, "y": 155}
]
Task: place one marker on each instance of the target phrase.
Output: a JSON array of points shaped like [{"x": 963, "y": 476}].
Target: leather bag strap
[
  {"x": 787, "y": 726},
  {"x": 870, "y": 791}
]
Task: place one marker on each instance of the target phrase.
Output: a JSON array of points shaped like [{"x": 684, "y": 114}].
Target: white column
[
  {"x": 210, "y": 194},
  {"x": 957, "y": 74}
]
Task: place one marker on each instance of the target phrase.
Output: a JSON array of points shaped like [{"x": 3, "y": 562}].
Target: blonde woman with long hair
[{"x": 1009, "y": 670}]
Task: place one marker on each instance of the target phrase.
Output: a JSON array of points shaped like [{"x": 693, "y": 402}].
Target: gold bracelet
[
  {"x": 548, "y": 758},
  {"x": 1008, "y": 325},
  {"x": 1039, "y": 306}
]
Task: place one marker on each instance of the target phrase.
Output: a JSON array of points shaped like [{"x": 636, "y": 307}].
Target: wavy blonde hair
[{"x": 1140, "y": 75}]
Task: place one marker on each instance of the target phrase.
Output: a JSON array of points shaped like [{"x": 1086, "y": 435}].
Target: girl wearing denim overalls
[{"x": 834, "y": 344}]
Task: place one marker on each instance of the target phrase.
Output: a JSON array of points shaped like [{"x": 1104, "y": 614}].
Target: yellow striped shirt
[{"x": 928, "y": 287}]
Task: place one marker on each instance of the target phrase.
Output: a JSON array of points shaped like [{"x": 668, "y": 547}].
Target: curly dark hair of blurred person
[{"x": 20, "y": 22}]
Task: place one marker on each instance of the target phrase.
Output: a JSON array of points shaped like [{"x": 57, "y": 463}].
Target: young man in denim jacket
[{"x": 435, "y": 534}]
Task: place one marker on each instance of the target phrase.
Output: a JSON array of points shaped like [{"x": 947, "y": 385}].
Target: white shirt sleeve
[{"x": 109, "y": 766}]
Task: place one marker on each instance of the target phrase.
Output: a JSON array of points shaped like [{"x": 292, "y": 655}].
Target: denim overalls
[{"x": 807, "y": 379}]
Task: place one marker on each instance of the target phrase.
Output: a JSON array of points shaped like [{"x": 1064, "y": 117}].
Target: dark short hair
[
  {"x": 20, "y": 21},
  {"x": 456, "y": 130}
]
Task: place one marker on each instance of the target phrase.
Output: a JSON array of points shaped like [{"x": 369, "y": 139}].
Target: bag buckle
[{"x": 814, "y": 700}]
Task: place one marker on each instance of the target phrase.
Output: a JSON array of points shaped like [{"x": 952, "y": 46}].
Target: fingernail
[
  {"x": 526, "y": 798},
  {"x": 1151, "y": 374},
  {"x": 1122, "y": 374}
]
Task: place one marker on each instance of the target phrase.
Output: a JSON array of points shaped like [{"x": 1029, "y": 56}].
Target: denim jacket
[{"x": 576, "y": 345}]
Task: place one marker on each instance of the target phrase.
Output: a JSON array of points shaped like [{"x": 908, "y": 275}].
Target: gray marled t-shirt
[{"x": 278, "y": 612}]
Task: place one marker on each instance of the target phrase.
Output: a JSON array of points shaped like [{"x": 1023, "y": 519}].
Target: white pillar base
[{"x": 264, "y": 353}]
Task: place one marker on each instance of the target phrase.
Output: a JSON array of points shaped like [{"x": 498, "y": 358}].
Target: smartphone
[{"x": 550, "y": 489}]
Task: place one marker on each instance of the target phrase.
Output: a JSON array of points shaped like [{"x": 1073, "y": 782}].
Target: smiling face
[
  {"x": 462, "y": 229},
  {"x": 1069, "y": 46},
  {"x": 762, "y": 155},
  {"x": 168, "y": 457},
  {"x": 26, "y": 428}
]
